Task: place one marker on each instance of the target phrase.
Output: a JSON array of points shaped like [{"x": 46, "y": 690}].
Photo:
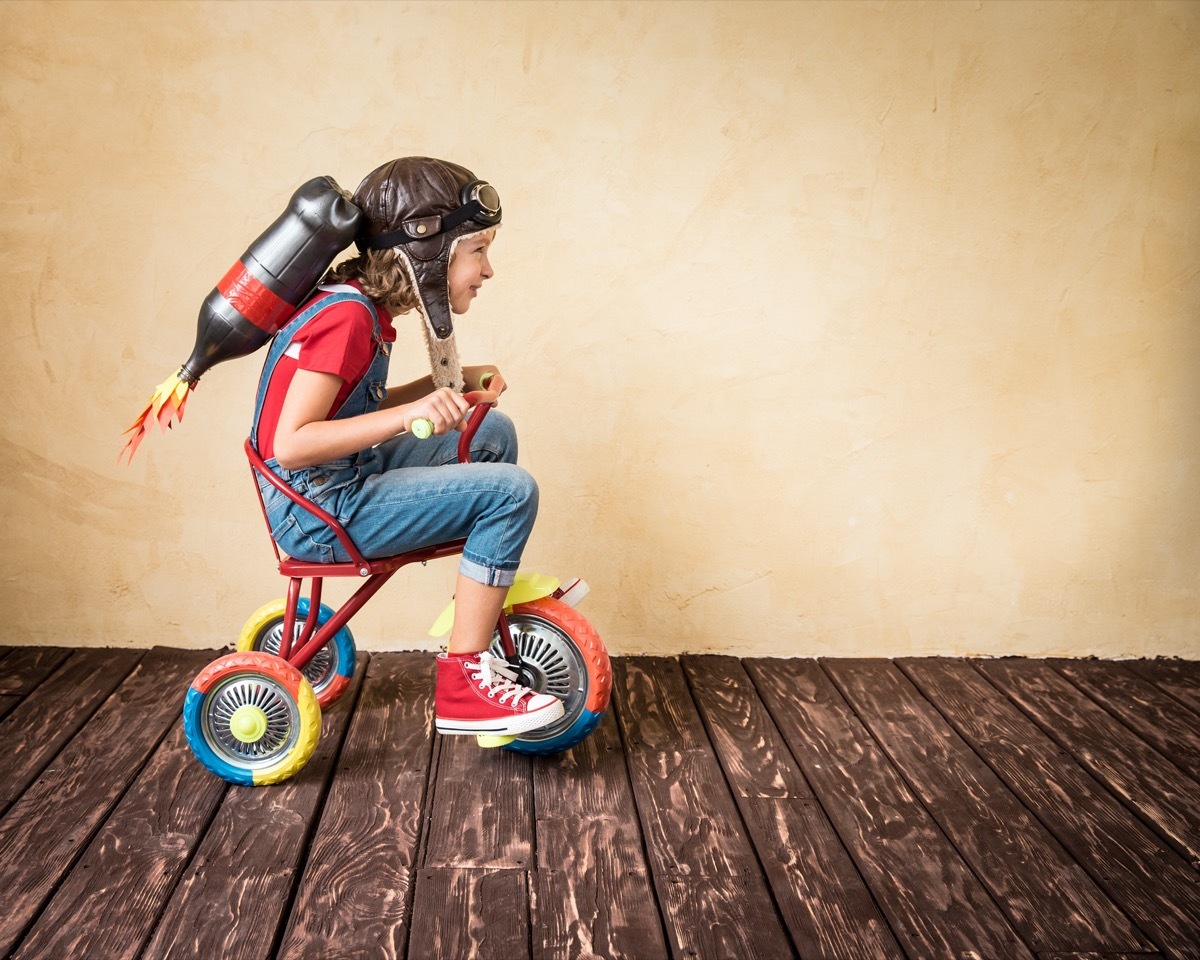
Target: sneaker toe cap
[{"x": 543, "y": 700}]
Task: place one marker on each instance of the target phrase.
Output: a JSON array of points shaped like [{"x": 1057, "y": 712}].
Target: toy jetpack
[{"x": 258, "y": 294}]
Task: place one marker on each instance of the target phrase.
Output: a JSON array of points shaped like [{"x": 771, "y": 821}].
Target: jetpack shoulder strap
[{"x": 341, "y": 293}]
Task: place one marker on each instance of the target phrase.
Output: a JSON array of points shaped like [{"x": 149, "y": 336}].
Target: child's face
[{"x": 469, "y": 267}]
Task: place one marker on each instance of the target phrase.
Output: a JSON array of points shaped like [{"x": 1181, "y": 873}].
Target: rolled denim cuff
[{"x": 488, "y": 576}]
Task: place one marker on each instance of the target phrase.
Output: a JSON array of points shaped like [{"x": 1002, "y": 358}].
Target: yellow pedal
[{"x": 488, "y": 740}]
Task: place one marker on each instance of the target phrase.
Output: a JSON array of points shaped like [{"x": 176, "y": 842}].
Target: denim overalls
[{"x": 405, "y": 493}]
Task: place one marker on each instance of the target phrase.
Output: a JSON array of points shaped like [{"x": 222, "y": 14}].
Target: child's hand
[
  {"x": 444, "y": 409},
  {"x": 490, "y": 388},
  {"x": 484, "y": 378}
]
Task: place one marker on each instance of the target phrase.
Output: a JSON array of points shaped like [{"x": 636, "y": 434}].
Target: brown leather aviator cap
[{"x": 420, "y": 206}]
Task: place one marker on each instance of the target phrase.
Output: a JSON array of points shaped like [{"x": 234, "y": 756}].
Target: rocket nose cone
[{"x": 322, "y": 203}]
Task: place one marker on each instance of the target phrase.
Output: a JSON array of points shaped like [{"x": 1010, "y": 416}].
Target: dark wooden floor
[{"x": 755, "y": 809}]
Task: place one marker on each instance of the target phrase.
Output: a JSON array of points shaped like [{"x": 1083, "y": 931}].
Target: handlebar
[{"x": 422, "y": 429}]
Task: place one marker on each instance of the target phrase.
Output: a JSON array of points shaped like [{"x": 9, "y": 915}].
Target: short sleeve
[{"x": 337, "y": 341}]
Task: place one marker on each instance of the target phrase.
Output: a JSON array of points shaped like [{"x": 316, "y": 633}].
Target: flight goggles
[{"x": 478, "y": 201}]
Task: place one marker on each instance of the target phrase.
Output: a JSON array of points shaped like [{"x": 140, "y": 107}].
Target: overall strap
[{"x": 283, "y": 339}]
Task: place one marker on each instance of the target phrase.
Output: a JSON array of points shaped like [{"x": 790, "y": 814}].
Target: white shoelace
[{"x": 496, "y": 676}]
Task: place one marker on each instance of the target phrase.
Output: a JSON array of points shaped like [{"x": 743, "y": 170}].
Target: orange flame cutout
[{"x": 166, "y": 404}]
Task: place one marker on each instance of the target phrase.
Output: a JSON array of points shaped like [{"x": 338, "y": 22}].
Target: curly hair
[{"x": 382, "y": 276}]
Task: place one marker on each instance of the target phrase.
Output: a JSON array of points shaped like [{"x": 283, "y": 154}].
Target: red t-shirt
[{"x": 339, "y": 340}]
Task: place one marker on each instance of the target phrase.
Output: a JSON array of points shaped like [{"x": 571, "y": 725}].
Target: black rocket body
[{"x": 273, "y": 277}]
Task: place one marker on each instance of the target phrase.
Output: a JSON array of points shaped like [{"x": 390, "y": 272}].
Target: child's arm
[
  {"x": 411, "y": 392},
  {"x": 304, "y": 437}
]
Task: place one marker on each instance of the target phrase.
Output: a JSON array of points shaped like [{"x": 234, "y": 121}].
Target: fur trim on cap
[{"x": 444, "y": 365}]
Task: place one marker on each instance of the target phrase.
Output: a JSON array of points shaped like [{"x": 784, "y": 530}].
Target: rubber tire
[
  {"x": 302, "y": 708},
  {"x": 596, "y": 677},
  {"x": 341, "y": 647}
]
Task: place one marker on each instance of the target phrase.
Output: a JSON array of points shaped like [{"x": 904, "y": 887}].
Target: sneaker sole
[{"x": 518, "y": 723}]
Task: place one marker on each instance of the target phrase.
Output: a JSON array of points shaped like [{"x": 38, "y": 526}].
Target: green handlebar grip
[{"x": 421, "y": 428}]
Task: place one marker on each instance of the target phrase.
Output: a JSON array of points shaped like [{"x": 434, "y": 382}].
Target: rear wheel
[
  {"x": 562, "y": 655},
  {"x": 329, "y": 671}
]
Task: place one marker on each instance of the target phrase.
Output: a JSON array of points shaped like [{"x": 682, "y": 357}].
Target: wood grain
[
  {"x": 481, "y": 914},
  {"x": 592, "y": 892},
  {"x": 724, "y": 808},
  {"x": 51, "y": 715},
  {"x": 1179, "y": 678},
  {"x": 1154, "y": 886},
  {"x": 828, "y": 910},
  {"x": 52, "y": 822},
  {"x": 1051, "y": 901},
  {"x": 1148, "y": 782},
  {"x": 1153, "y": 714},
  {"x": 354, "y": 897},
  {"x": 714, "y": 899},
  {"x": 481, "y": 811},
  {"x": 934, "y": 903},
  {"x": 753, "y": 753},
  {"x": 23, "y": 668},
  {"x": 112, "y": 899}
]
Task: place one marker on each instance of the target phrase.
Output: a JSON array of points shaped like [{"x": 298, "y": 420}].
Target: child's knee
[
  {"x": 496, "y": 439},
  {"x": 524, "y": 488}
]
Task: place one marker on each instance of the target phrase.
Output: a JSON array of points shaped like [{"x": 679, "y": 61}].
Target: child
[{"x": 327, "y": 424}]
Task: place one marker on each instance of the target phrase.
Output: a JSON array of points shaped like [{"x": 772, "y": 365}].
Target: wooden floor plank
[
  {"x": 476, "y": 913},
  {"x": 111, "y": 901},
  {"x": 354, "y": 897},
  {"x": 592, "y": 891},
  {"x": 1051, "y": 901},
  {"x": 689, "y": 818},
  {"x": 1153, "y": 714},
  {"x": 50, "y": 826},
  {"x": 1149, "y": 783},
  {"x": 232, "y": 899},
  {"x": 724, "y": 808},
  {"x": 828, "y": 910},
  {"x": 481, "y": 812},
  {"x": 714, "y": 898},
  {"x": 935, "y": 904},
  {"x": 1131, "y": 864},
  {"x": 50, "y": 715},
  {"x": 25, "y": 667},
  {"x": 752, "y": 751},
  {"x": 1179, "y": 678},
  {"x": 1099, "y": 956}
]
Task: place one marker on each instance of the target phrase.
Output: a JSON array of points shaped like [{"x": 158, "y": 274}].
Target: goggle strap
[{"x": 397, "y": 238}]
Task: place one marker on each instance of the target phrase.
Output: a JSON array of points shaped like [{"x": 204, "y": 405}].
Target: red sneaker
[{"x": 478, "y": 693}]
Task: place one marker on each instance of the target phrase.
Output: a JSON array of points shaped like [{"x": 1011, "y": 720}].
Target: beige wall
[{"x": 832, "y": 328}]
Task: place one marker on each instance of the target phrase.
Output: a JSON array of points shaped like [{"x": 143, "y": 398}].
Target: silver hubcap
[
  {"x": 255, "y": 690},
  {"x": 320, "y": 670},
  {"x": 555, "y": 663}
]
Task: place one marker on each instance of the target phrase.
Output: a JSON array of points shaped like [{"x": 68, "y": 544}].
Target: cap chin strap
[{"x": 445, "y": 368}]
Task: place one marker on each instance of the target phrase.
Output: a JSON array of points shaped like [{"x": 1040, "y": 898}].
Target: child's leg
[
  {"x": 476, "y": 611},
  {"x": 477, "y": 692}
]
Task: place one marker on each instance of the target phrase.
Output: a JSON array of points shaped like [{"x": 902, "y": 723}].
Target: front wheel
[
  {"x": 563, "y": 655},
  {"x": 330, "y": 669},
  {"x": 251, "y": 718}
]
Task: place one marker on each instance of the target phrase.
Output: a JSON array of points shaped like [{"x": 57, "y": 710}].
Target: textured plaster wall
[{"x": 832, "y": 328}]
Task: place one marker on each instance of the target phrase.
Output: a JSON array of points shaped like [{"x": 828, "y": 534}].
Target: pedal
[
  {"x": 490, "y": 741},
  {"x": 572, "y": 592}
]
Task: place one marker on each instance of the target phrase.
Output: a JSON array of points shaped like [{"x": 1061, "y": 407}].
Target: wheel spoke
[
  {"x": 264, "y": 693},
  {"x": 555, "y": 662},
  {"x": 319, "y": 671}
]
